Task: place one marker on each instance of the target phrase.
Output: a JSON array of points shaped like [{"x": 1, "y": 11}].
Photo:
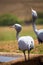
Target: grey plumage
[
  {"x": 39, "y": 33},
  {"x": 24, "y": 42}
]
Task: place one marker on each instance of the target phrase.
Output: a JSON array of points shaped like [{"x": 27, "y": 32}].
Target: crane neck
[
  {"x": 17, "y": 35},
  {"x": 34, "y": 27}
]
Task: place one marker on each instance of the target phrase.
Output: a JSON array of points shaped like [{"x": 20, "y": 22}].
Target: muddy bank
[{"x": 35, "y": 59}]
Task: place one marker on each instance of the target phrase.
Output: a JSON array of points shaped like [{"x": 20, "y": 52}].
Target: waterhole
[{"x": 7, "y": 58}]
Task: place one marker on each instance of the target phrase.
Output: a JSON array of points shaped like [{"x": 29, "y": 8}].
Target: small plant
[{"x": 8, "y": 19}]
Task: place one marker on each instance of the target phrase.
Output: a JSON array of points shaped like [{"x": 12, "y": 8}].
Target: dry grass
[
  {"x": 8, "y": 46},
  {"x": 12, "y": 45}
]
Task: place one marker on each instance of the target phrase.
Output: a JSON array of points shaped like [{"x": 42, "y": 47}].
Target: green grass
[
  {"x": 7, "y": 33},
  {"x": 8, "y": 42}
]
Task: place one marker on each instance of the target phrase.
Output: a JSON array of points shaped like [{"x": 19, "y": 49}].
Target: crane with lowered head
[{"x": 24, "y": 42}]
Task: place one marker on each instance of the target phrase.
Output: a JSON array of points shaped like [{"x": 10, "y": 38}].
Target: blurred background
[{"x": 18, "y": 11}]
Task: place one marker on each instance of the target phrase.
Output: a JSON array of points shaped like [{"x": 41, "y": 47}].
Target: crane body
[
  {"x": 39, "y": 33},
  {"x": 24, "y": 42}
]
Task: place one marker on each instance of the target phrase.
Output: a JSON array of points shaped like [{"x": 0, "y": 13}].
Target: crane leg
[
  {"x": 24, "y": 55},
  {"x": 28, "y": 54}
]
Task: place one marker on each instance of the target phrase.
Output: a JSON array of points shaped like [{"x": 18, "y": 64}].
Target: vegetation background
[{"x": 19, "y": 11}]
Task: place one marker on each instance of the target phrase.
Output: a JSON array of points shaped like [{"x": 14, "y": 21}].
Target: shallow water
[{"x": 7, "y": 58}]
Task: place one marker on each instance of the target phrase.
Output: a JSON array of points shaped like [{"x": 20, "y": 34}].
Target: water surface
[{"x": 7, "y": 58}]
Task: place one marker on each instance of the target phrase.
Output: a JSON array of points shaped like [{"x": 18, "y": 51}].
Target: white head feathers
[
  {"x": 34, "y": 13},
  {"x": 18, "y": 27}
]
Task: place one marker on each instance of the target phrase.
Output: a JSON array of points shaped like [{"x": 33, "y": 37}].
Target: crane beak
[
  {"x": 31, "y": 9},
  {"x": 12, "y": 26}
]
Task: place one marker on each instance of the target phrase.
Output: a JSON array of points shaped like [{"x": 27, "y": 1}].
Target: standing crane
[
  {"x": 39, "y": 33},
  {"x": 24, "y": 42}
]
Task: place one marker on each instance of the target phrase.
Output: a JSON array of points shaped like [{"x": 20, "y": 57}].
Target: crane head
[
  {"x": 34, "y": 14},
  {"x": 18, "y": 27}
]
